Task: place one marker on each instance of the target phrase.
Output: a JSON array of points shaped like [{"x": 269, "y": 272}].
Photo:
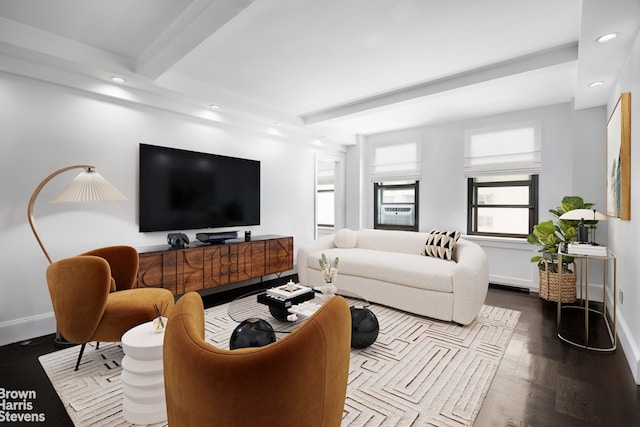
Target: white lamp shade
[
  {"x": 88, "y": 186},
  {"x": 586, "y": 214}
]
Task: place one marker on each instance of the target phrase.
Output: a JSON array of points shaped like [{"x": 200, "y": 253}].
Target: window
[
  {"x": 502, "y": 205},
  {"x": 396, "y": 205},
  {"x": 325, "y": 193},
  {"x": 395, "y": 172},
  {"x": 502, "y": 166},
  {"x": 326, "y": 211}
]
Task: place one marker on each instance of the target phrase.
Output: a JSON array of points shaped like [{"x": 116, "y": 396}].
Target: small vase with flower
[{"x": 329, "y": 270}]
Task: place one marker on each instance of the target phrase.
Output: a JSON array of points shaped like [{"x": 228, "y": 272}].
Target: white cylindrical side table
[{"x": 143, "y": 376}]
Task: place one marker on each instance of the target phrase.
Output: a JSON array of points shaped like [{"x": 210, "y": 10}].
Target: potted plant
[{"x": 551, "y": 236}]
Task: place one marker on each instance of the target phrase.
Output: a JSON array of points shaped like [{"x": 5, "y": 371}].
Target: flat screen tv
[{"x": 181, "y": 190}]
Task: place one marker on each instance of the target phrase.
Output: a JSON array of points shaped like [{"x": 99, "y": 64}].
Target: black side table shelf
[{"x": 582, "y": 265}]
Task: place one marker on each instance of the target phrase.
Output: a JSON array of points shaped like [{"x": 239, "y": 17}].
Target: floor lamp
[{"x": 88, "y": 186}]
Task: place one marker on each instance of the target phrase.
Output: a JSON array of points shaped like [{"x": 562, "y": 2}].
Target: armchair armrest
[{"x": 79, "y": 288}]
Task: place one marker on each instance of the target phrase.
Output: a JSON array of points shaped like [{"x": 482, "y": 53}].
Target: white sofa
[{"x": 387, "y": 267}]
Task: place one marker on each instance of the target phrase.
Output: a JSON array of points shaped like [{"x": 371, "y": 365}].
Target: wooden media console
[{"x": 203, "y": 266}]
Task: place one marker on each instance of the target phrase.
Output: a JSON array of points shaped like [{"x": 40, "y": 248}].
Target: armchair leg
[
  {"x": 97, "y": 345},
  {"x": 80, "y": 356}
]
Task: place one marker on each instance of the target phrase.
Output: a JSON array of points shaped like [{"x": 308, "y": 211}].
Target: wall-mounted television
[{"x": 181, "y": 190}]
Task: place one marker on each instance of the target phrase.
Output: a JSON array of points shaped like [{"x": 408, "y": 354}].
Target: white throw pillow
[{"x": 345, "y": 238}]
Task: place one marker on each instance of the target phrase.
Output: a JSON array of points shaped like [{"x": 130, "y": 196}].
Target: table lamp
[
  {"x": 88, "y": 186},
  {"x": 583, "y": 215}
]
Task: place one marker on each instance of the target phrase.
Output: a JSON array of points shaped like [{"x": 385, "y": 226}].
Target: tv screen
[{"x": 182, "y": 190}]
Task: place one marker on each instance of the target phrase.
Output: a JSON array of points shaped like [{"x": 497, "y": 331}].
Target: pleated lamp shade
[
  {"x": 586, "y": 214},
  {"x": 88, "y": 186}
]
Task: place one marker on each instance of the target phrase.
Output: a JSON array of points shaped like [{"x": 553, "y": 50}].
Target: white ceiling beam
[
  {"x": 197, "y": 23},
  {"x": 35, "y": 44},
  {"x": 542, "y": 59}
]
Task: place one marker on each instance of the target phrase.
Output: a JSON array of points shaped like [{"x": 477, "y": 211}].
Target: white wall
[
  {"x": 624, "y": 236},
  {"x": 354, "y": 192},
  {"x": 443, "y": 188},
  {"x": 44, "y": 127}
]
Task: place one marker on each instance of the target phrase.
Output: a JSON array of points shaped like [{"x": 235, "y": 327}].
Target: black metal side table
[{"x": 582, "y": 267}]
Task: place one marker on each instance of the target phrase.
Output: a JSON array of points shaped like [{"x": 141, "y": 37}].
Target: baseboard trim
[
  {"x": 26, "y": 328},
  {"x": 626, "y": 342}
]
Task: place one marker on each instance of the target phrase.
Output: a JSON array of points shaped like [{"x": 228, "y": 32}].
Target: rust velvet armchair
[
  {"x": 299, "y": 380},
  {"x": 93, "y": 299}
]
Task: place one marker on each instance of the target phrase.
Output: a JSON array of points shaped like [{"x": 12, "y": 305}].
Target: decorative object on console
[
  {"x": 440, "y": 244},
  {"x": 88, "y": 186},
  {"x": 177, "y": 240},
  {"x": 217, "y": 237},
  {"x": 329, "y": 268}
]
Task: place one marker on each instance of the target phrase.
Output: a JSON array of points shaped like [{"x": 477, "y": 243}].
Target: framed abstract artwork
[{"x": 619, "y": 159}]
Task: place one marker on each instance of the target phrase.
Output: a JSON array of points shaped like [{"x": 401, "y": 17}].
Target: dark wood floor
[
  {"x": 545, "y": 382},
  {"x": 541, "y": 381}
]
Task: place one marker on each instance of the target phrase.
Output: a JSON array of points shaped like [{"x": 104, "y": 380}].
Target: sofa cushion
[
  {"x": 440, "y": 244},
  {"x": 407, "y": 270},
  {"x": 345, "y": 238}
]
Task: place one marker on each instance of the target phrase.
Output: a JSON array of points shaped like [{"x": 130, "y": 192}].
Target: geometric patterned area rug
[{"x": 419, "y": 372}]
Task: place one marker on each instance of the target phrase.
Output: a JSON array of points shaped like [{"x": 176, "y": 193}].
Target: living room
[{"x": 60, "y": 108}]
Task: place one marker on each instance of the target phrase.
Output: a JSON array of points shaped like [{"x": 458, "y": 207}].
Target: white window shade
[
  {"x": 504, "y": 151},
  {"x": 396, "y": 162}
]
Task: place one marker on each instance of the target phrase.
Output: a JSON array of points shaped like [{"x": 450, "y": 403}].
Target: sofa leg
[{"x": 80, "y": 356}]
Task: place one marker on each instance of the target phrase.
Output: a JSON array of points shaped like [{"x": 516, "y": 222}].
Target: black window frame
[
  {"x": 473, "y": 205},
  {"x": 380, "y": 186}
]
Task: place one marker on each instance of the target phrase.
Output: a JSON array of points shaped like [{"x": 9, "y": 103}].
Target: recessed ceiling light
[
  {"x": 118, "y": 79},
  {"x": 214, "y": 106},
  {"x": 607, "y": 37},
  {"x": 596, "y": 84},
  {"x": 276, "y": 123}
]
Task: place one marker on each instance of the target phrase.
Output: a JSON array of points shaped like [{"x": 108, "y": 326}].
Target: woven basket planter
[{"x": 549, "y": 285}]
